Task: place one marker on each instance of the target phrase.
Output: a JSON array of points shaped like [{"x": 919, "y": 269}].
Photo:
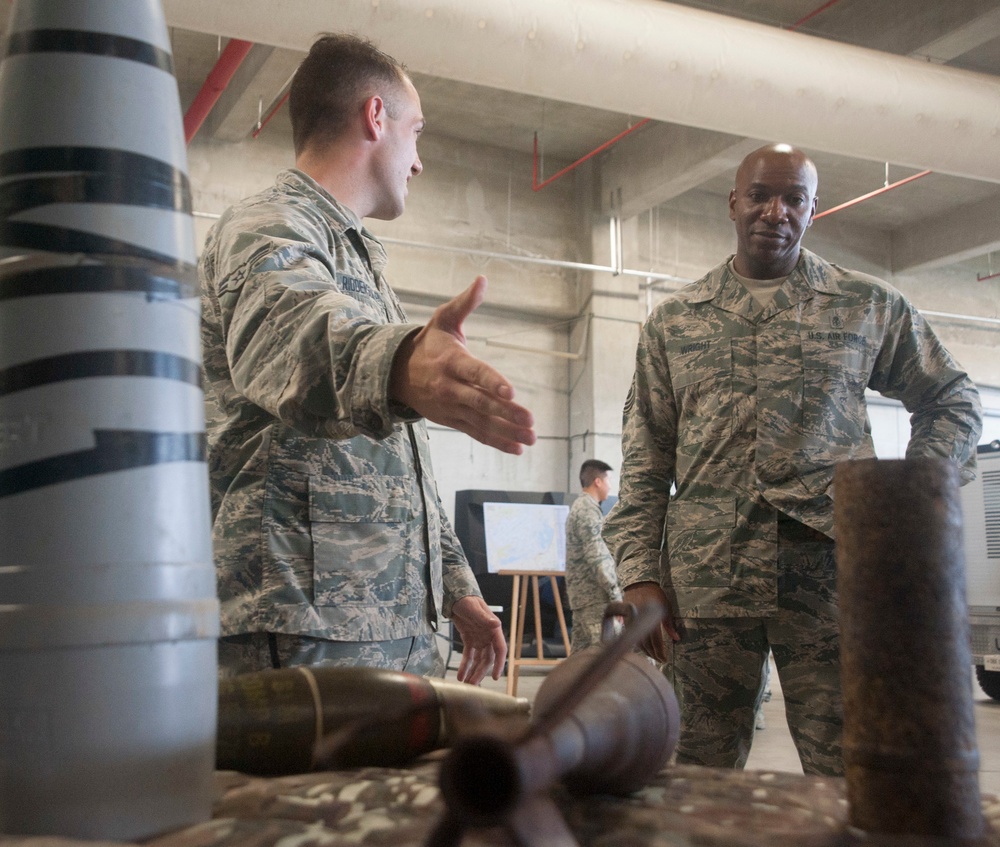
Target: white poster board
[{"x": 525, "y": 537}]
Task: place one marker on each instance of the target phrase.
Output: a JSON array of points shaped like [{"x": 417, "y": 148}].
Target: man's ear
[{"x": 373, "y": 117}]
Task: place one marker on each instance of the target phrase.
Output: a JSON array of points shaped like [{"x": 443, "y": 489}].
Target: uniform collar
[
  {"x": 721, "y": 288},
  {"x": 343, "y": 221}
]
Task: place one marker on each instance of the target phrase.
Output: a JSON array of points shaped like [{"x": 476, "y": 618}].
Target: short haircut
[
  {"x": 339, "y": 74},
  {"x": 591, "y": 470}
]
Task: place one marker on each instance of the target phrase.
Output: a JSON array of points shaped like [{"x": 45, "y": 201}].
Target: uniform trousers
[
  {"x": 717, "y": 667},
  {"x": 257, "y": 651},
  {"x": 587, "y": 623}
]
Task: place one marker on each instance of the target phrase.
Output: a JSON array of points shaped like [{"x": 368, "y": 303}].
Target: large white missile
[{"x": 108, "y": 611}]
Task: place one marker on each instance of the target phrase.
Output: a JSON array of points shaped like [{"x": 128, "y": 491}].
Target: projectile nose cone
[
  {"x": 92, "y": 154},
  {"x": 141, "y": 20}
]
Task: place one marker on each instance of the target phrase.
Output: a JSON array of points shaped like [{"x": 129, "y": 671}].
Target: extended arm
[
  {"x": 436, "y": 376},
  {"x": 315, "y": 358}
]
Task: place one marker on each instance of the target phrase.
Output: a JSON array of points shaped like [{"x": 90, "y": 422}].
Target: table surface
[{"x": 683, "y": 805}]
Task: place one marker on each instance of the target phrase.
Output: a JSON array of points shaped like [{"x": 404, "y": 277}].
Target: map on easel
[{"x": 525, "y": 537}]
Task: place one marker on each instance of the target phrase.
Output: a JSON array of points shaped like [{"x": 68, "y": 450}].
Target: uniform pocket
[
  {"x": 835, "y": 371},
  {"x": 699, "y": 534},
  {"x": 702, "y": 376},
  {"x": 361, "y": 530}
]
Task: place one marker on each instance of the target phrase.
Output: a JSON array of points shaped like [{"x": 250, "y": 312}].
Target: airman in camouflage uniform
[
  {"x": 749, "y": 388},
  {"x": 591, "y": 580},
  {"x": 330, "y": 539}
]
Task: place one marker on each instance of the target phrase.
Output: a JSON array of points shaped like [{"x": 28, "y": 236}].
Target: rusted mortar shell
[
  {"x": 271, "y": 722},
  {"x": 909, "y": 731}
]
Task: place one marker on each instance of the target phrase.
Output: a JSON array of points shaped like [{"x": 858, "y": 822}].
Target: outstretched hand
[{"x": 436, "y": 376}]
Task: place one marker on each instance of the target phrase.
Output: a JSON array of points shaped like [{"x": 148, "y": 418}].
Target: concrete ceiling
[{"x": 937, "y": 220}]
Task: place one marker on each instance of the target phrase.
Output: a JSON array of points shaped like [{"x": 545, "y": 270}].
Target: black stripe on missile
[
  {"x": 56, "y": 239},
  {"x": 122, "y": 163},
  {"x": 19, "y": 195},
  {"x": 114, "y": 278},
  {"x": 94, "y": 363},
  {"x": 115, "y": 450},
  {"x": 92, "y": 43}
]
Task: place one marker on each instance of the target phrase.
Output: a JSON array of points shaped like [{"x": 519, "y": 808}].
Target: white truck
[{"x": 981, "y": 520}]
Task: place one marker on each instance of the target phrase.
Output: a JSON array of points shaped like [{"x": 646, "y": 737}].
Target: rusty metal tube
[
  {"x": 271, "y": 722},
  {"x": 909, "y": 731}
]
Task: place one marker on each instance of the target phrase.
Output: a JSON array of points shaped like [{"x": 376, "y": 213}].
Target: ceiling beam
[
  {"x": 960, "y": 41},
  {"x": 666, "y": 62},
  {"x": 963, "y": 233},
  {"x": 969, "y": 231},
  {"x": 663, "y": 161},
  {"x": 666, "y": 160}
]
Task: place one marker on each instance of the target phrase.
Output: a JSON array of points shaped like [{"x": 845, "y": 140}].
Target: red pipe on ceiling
[
  {"x": 813, "y": 14},
  {"x": 536, "y": 185},
  {"x": 871, "y": 194},
  {"x": 271, "y": 114},
  {"x": 215, "y": 83}
]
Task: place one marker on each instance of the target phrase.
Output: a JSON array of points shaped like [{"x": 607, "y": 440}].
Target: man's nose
[
  {"x": 417, "y": 166},
  {"x": 775, "y": 210}
]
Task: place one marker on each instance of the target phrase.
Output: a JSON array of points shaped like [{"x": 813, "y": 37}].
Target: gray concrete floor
[{"x": 772, "y": 747}]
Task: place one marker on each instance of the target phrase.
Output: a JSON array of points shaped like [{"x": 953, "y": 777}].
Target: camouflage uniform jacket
[
  {"x": 746, "y": 410},
  {"x": 326, "y": 516},
  {"x": 590, "y": 570}
]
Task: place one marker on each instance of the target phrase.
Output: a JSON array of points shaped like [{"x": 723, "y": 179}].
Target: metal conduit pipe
[
  {"x": 513, "y": 257},
  {"x": 653, "y": 279},
  {"x": 667, "y": 62}
]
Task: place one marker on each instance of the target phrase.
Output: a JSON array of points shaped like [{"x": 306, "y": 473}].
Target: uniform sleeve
[
  {"x": 459, "y": 580},
  {"x": 945, "y": 410},
  {"x": 294, "y": 344},
  {"x": 634, "y": 528}
]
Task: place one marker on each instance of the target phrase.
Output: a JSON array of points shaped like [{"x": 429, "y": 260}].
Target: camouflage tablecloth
[{"x": 684, "y": 806}]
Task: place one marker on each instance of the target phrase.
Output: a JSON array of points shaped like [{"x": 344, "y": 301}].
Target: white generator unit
[{"x": 981, "y": 519}]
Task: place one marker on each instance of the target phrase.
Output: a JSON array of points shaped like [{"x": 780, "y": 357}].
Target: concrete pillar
[{"x": 604, "y": 337}]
